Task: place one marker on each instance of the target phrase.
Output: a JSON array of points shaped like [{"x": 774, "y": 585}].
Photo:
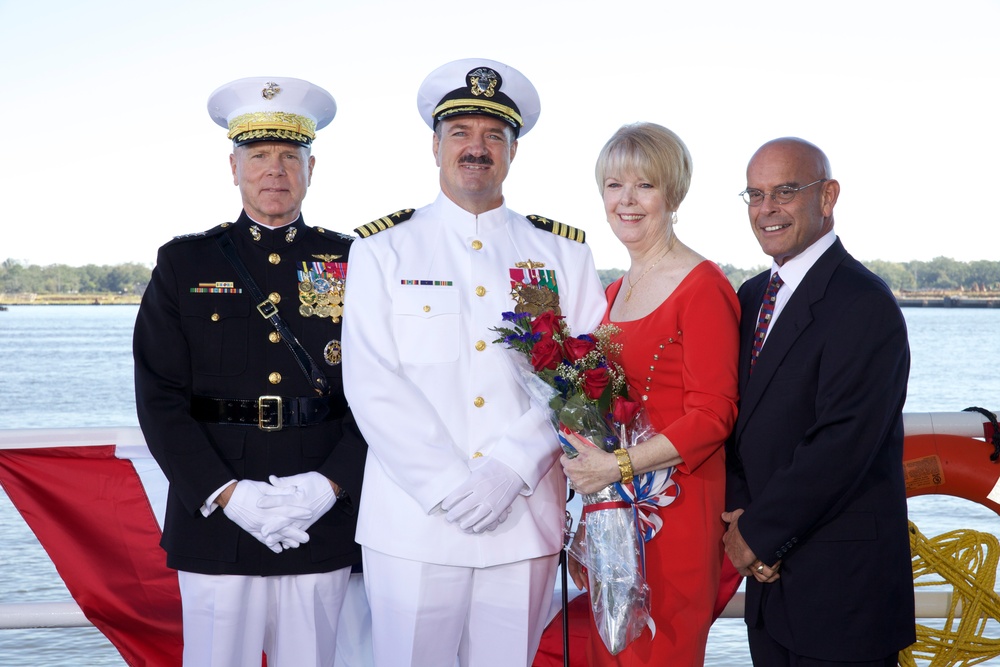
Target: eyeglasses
[{"x": 783, "y": 194}]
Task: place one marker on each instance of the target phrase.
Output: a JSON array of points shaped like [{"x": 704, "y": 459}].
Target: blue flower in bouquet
[{"x": 580, "y": 370}]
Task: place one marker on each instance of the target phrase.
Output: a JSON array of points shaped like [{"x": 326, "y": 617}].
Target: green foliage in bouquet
[{"x": 580, "y": 370}]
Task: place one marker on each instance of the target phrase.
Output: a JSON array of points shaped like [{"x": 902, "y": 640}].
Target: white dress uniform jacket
[{"x": 432, "y": 394}]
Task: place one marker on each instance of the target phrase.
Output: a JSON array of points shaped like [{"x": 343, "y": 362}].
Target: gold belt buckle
[{"x": 279, "y": 422}]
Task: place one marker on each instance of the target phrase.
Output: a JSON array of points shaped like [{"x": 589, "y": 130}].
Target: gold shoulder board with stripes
[
  {"x": 384, "y": 223},
  {"x": 558, "y": 228}
]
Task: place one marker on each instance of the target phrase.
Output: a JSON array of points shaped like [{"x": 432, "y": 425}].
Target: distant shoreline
[
  {"x": 906, "y": 299},
  {"x": 94, "y": 299}
]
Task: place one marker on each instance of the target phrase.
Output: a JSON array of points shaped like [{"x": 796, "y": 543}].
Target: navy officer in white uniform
[
  {"x": 462, "y": 512},
  {"x": 264, "y": 461}
]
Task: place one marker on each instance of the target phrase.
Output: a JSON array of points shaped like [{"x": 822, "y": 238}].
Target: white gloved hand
[
  {"x": 242, "y": 509},
  {"x": 483, "y": 500},
  {"x": 310, "y": 493}
]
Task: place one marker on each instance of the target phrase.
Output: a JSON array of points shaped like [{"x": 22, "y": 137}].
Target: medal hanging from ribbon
[
  {"x": 533, "y": 288},
  {"x": 321, "y": 289}
]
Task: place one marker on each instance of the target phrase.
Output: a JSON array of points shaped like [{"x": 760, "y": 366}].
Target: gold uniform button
[
  {"x": 477, "y": 245},
  {"x": 274, "y": 378},
  {"x": 215, "y": 317},
  {"x": 274, "y": 337},
  {"x": 480, "y": 291},
  {"x": 274, "y": 258},
  {"x": 479, "y": 402},
  {"x": 274, "y": 297},
  {"x": 477, "y": 455},
  {"x": 427, "y": 309},
  {"x": 480, "y": 345}
]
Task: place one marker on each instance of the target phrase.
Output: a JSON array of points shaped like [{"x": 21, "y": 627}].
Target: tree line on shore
[{"x": 940, "y": 273}]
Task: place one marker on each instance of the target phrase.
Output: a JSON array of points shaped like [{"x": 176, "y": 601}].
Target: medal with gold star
[
  {"x": 534, "y": 288},
  {"x": 321, "y": 287}
]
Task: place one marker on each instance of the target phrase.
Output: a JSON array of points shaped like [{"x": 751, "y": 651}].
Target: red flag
[{"x": 92, "y": 515}]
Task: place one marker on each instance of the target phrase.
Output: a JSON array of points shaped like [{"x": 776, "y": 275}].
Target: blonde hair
[{"x": 652, "y": 152}]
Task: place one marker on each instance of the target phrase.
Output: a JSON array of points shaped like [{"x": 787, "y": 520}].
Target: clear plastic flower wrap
[{"x": 583, "y": 392}]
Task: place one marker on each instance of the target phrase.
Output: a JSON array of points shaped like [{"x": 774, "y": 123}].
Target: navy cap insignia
[{"x": 484, "y": 81}]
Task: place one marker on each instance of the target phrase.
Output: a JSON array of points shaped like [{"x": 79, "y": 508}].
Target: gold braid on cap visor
[
  {"x": 452, "y": 107},
  {"x": 262, "y": 124}
]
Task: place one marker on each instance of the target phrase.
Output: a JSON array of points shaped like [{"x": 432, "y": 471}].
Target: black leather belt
[{"x": 268, "y": 413}]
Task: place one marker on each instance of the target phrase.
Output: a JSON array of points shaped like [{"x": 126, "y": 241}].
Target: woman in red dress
[{"x": 678, "y": 319}]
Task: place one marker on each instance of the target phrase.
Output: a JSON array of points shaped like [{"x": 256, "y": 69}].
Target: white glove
[
  {"x": 310, "y": 493},
  {"x": 483, "y": 500},
  {"x": 242, "y": 509}
]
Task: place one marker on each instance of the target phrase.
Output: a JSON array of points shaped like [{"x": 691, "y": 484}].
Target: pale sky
[{"x": 110, "y": 152}]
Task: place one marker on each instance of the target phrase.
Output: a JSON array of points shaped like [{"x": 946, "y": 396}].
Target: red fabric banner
[{"x": 91, "y": 514}]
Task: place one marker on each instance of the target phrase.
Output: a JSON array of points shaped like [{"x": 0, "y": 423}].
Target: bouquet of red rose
[
  {"x": 573, "y": 377},
  {"x": 585, "y": 393}
]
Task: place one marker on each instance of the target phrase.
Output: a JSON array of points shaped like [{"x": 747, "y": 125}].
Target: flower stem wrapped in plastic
[{"x": 584, "y": 391}]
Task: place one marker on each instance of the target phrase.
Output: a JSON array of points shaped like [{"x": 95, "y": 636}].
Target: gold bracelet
[{"x": 624, "y": 465}]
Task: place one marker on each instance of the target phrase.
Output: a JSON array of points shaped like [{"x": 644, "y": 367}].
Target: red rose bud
[
  {"x": 546, "y": 324},
  {"x": 578, "y": 348},
  {"x": 546, "y": 354},
  {"x": 624, "y": 410},
  {"x": 594, "y": 382}
]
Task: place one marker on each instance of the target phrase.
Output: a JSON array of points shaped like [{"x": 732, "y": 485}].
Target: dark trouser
[{"x": 768, "y": 653}]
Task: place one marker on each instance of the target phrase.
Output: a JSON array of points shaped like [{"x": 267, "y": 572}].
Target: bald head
[
  {"x": 785, "y": 229},
  {"x": 796, "y": 151}
]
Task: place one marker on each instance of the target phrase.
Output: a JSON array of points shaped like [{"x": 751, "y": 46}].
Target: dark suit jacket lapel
[{"x": 795, "y": 317}]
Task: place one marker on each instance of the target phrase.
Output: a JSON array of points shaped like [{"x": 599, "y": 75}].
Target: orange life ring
[{"x": 952, "y": 465}]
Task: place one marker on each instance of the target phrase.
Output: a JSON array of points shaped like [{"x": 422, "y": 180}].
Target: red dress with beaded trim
[{"x": 680, "y": 362}]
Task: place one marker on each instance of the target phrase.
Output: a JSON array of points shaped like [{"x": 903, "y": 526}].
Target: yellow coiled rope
[{"x": 966, "y": 560}]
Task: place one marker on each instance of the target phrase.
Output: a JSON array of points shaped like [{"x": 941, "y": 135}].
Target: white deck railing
[{"x": 930, "y": 604}]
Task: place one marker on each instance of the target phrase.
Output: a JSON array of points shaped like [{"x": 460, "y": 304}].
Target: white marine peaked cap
[
  {"x": 482, "y": 87},
  {"x": 271, "y": 108}
]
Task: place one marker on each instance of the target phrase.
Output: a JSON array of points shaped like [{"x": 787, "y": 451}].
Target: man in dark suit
[
  {"x": 816, "y": 500},
  {"x": 240, "y": 397}
]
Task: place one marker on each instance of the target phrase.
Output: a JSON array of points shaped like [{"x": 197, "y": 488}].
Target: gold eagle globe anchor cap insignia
[{"x": 271, "y": 109}]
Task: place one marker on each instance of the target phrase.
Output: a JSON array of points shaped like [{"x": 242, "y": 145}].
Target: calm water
[{"x": 67, "y": 366}]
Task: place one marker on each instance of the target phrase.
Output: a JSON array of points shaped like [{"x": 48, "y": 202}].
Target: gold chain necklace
[{"x": 628, "y": 293}]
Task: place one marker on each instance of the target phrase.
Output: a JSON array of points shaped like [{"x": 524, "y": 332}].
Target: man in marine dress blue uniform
[
  {"x": 240, "y": 399},
  {"x": 462, "y": 516}
]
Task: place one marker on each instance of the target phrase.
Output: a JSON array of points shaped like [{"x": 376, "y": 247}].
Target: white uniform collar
[{"x": 461, "y": 221}]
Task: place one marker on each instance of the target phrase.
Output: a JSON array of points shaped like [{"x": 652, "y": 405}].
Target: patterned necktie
[{"x": 766, "y": 311}]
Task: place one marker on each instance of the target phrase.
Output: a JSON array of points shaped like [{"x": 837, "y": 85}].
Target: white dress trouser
[
  {"x": 229, "y": 620},
  {"x": 426, "y": 615}
]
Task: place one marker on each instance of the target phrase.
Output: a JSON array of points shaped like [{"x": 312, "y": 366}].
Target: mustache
[{"x": 476, "y": 159}]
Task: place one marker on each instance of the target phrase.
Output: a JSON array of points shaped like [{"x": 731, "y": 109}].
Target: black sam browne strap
[{"x": 269, "y": 312}]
